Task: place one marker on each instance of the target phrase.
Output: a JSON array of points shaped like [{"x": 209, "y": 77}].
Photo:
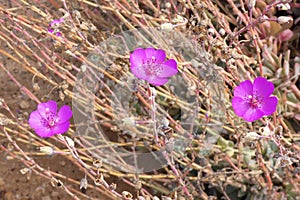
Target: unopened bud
[
  {"x": 129, "y": 121},
  {"x": 222, "y": 32},
  {"x": 69, "y": 141},
  {"x": 165, "y": 122},
  {"x": 283, "y": 6},
  {"x": 211, "y": 31},
  {"x": 83, "y": 68},
  {"x": 47, "y": 150},
  {"x": 168, "y": 5},
  {"x": 167, "y": 26},
  {"x": 251, "y": 4},
  {"x": 252, "y": 136}
]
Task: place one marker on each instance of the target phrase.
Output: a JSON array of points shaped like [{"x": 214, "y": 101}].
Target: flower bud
[
  {"x": 284, "y": 19},
  {"x": 167, "y": 26},
  {"x": 265, "y": 131},
  {"x": 69, "y": 141},
  {"x": 252, "y": 136},
  {"x": 129, "y": 121},
  {"x": 47, "y": 150}
]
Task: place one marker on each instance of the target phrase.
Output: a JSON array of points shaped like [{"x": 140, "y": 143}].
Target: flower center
[
  {"x": 255, "y": 100},
  {"x": 151, "y": 67},
  {"x": 50, "y": 120}
]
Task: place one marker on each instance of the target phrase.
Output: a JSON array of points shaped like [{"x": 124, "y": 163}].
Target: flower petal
[
  {"x": 57, "y": 21},
  {"x": 269, "y": 105},
  {"x": 61, "y": 128},
  {"x": 137, "y": 57},
  {"x": 159, "y": 54},
  {"x": 240, "y": 106},
  {"x": 44, "y": 132},
  {"x": 44, "y": 108},
  {"x": 169, "y": 69},
  {"x": 35, "y": 120},
  {"x": 139, "y": 72},
  {"x": 253, "y": 114},
  {"x": 263, "y": 87},
  {"x": 157, "y": 81},
  {"x": 64, "y": 114},
  {"x": 244, "y": 89}
]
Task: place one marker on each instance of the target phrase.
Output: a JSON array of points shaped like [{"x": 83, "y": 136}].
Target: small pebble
[{"x": 24, "y": 104}]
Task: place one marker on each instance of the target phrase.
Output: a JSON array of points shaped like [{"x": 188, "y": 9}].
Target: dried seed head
[
  {"x": 99, "y": 180},
  {"x": 36, "y": 87},
  {"x": 283, "y": 162},
  {"x": 113, "y": 186},
  {"x": 25, "y": 170},
  {"x": 283, "y": 6},
  {"x": 127, "y": 195},
  {"x": 265, "y": 131},
  {"x": 61, "y": 95},
  {"x": 56, "y": 183},
  {"x": 168, "y": 5},
  {"x": 284, "y": 19},
  {"x": 97, "y": 163},
  {"x": 83, "y": 184},
  {"x": 211, "y": 31}
]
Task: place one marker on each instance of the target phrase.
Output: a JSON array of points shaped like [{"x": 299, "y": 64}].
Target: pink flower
[
  {"x": 149, "y": 64},
  {"x": 47, "y": 122},
  {"x": 54, "y": 24},
  {"x": 252, "y": 101}
]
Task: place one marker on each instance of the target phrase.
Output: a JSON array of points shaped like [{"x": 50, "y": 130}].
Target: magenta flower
[
  {"x": 53, "y": 24},
  {"x": 149, "y": 64},
  {"x": 47, "y": 122},
  {"x": 252, "y": 101}
]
